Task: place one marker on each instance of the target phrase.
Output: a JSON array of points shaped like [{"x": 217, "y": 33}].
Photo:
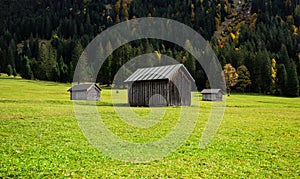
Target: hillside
[{"x": 43, "y": 39}]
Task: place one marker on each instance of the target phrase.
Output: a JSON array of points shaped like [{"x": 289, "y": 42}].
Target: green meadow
[{"x": 259, "y": 137}]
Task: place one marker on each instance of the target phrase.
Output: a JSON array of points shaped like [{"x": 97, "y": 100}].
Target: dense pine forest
[{"x": 258, "y": 39}]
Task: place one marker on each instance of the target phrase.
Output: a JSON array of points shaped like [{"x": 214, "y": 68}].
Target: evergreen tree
[
  {"x": 257, "y": 70},
  {"x": 51, "y": 64},
  {"x": 189, "y": 63},
  {"x": 26, "y": 69},
  {"x": 11, "y": 55},
  {"x": 55, "y": 73},
  {"x": 14, "y": 72},
  {"x": 76, "y": 53},
  {"x": 292, "y": 85},
  {"x": 283, "y": 55},
  {"x": 63, "y": 70},
  {"x": 35, "y": 49},
  {"x": 39, "y": 64},
  {"x": 292, "y": 82},
  {"x": 43, "y": 65},
  {"x": 9, "y": 70},
  {"x": 104, "y": 75},
  {"x": 281, "y": 81},
  {"x": 266, "y": 73},
  {"x": 26, "y": 49},
  {"x": 47, "y": 28},
  {"x": 244, "y": 78}
]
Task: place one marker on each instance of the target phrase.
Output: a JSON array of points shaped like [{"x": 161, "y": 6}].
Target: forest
[{"x": 256, "y": 41}]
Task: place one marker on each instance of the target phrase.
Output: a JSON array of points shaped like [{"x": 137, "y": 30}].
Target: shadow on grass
[{"x": 111, "y": 104}]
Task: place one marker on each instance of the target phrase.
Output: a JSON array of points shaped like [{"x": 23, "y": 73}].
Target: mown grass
[{"x": 39, "y": 137}]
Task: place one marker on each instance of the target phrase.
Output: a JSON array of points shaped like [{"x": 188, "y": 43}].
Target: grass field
[{"x": 39, "y": 137}]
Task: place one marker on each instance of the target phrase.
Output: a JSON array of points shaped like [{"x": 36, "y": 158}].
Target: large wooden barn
[
  {"x": 212, "y": 95},
  {"x": 160, "y": 86},
  {"x": 89, "y": 92}
]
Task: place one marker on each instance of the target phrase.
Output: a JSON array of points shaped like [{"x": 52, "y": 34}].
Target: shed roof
[
  {"x": 211, "y": 91},
  {"x": 157, "y": 73},
  {"x": 84, "y": 87}
]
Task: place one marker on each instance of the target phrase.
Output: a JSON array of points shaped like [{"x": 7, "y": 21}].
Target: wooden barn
[
  {"x": 89, "y": 92},
  {"x": 212, "y": 95},
  {"x": 160, "y": 86}
]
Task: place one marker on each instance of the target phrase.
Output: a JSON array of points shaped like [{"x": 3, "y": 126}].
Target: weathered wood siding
[
  {"x": 93, "y": 95},
  {"x": 142, "y": 93},
  {"x": 212, "y": 97},
  {"x": 180, "y": 90},
  {"x": 78, "y": 95},
  {"x": 173, "y": 92}
]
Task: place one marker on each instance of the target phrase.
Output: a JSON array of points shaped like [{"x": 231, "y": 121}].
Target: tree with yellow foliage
[
  {"x": 231, "y": 77},
  {"x": 274, "y": 73}
]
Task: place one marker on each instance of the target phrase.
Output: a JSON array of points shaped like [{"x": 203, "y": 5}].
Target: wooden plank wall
[
  {"x": 140, "y": 93},
  {"x": 78, "y": 95},
  {"x": 175, "y": 92},
  {"x": 180, "y": 90}
]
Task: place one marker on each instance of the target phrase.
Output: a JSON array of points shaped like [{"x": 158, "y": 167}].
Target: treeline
[
  {"x": 268, "y": 46},
  {"x": 43, "y": 40}
]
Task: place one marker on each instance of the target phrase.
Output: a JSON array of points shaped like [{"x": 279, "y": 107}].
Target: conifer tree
[
  {"x": 244, "y": 78},
  {"x": 292, "y": 85}
]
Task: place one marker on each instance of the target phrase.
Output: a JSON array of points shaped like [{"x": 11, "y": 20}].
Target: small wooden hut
[
  {"x": 89, "y": 92},
  {"x": 212, "y": 95},
  {"x": 160, "y": 86}
]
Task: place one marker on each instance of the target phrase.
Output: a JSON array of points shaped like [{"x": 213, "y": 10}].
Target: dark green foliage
[
  {"x": 55, "y": 73},
  {"x": 42, "y": 66},
  {"x": 26, "y": 71},
  {"x": 45, "y": 40},
  {"x": 291, "y": 82},
  {"x": 281, "y": 79},
  {"x": 82, "y": 66},
  {"x": 244, "y": 78},
  {"x": 266, "y": 73},
  {"x": 63, "y": 70},
  {"x": 190, "y": 63},
  {"x": 292, "y": 85},
  {"x": 9, "y": 70},
  {"x": 14, "y": 72}
]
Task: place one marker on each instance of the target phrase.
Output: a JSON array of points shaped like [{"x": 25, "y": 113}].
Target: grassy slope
[{"x": 40, "y": 137}]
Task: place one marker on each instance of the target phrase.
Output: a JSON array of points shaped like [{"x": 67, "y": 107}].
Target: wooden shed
[
  {"x": 89, "y": 92},
  {"x": 212, "y": 95},
  {"x": 160, "y": 86}
]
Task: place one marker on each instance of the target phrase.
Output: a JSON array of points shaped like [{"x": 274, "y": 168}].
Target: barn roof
[
  {"x": 84, "y": 87},
  {"x": 157, "y": 73},
  {"x": 211, "y": 91}
]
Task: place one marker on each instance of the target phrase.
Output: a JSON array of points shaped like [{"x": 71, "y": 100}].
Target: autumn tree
[
  {"x": 231, "y": 77},
  {"x": 274, "y": 74}
]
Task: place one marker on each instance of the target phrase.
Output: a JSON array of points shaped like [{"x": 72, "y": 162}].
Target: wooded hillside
[{"x": 43, "y": 39}]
